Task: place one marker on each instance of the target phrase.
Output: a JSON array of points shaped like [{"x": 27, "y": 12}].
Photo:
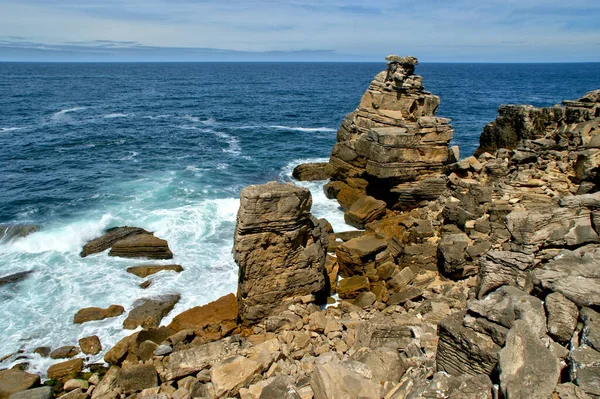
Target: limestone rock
[
  {"x": 110, "y": 237},
  {"x": 34, "y": 393},
  {"x": 366, "y": 209},
  {"x": 562, "y": 317},
  {"x": 333, "y": 381},
  {"x": 446, "y": 386},
  {"x": 90, "y": 345},
  {"x": 527, "y": 368},
  {"x": 279, "y": 248},
  {"x": 12, "y": 381},
  {"x": 590, "y": 335},
  {"x": 569, "y": 390},
  {"x": 500, "y": 268},
  {"x": 585, "y": 369},
  {"x": 385, "y": 363},
  {"x": 357, "y": 256},
  {"x": 282, "y": 387},
  {"x": 231, "y": 374},
  {"x": 451, "y": 254},
  {"x": 64, "y": 352},
  {"x": 90, "y": 314},
  {"x": 149, "y": 312},
  {"x": 75, "y": 383},
  {"x": 311, "y": 171},
  {"x": 145, "y": 271},
  {"x": 141, "y": 246},
  {"x": 575, "y": 275},
  {"x": 107, "y": 386},
  {"x": 350, "y": 287},
  {"x": 64, "y": 369},
  {"x": 220, "y": 315},
  {"x": 134, "y": 378}
]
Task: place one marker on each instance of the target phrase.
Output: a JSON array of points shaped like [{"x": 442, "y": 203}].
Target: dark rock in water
[
  {"x": 111, "y": 237},
  {"x": 145, "y": 271},
  {"x": 12, "y": 381},
  {"x": 141, "y": 246},
  {"x": 90, "y": 345},
  {"x": 311, "y": 171},
  {"x": 64, "y": 352},
  {"x": 11, "y": 231},
  {"x": 43, "y": 351},
  {"x": 14, "y": 278},
  {"x": 90, "y": 314},
  {"x": 149, "y": 312}
]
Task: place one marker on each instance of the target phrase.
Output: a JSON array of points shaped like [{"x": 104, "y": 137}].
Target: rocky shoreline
[{"x": 472, "y": 278}]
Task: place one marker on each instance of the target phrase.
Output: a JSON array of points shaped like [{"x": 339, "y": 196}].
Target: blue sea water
[{"x": 168, "y": 147}]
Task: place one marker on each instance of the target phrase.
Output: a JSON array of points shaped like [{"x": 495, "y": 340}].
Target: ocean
[{"x": 168, "y": 147}]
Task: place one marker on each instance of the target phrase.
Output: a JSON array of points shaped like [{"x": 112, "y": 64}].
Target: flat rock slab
[
  {"x": 14, "y": 278},
  {"x": 91, "y": 314},
  {"x": 137, "y": 377},
  {"x": 148, "y": 312},
  {"x": 141, "y": 246},
  {"x": 12, "y": 381},
  {"x": 35, "y": 393},
  {"x": 224, "y": 309},
  {"x": 232, "y": 374},
  {"x": 109, "y": 238},
  {"x": 330, "y": 381},
  {"x": 64, "y": 369},
  {"x": 145, "y": 271},
  {"x": 366, "y": 209}
]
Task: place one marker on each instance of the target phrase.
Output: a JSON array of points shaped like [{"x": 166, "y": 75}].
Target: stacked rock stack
[{"x": 391, "y": 147}]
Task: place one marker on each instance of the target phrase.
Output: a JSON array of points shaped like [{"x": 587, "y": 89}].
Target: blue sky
[{"x": 300, "y": 30}]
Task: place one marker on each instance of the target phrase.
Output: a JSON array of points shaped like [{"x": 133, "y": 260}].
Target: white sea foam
[
  {"x": 62, "y": 114},
  {"x": 232, "y": 141},
  {"x": 302, "y": 129},
  {"x": 162, "y": 116},
  {"x": 115, "y": 115},
  {"x": 130, "y": 156},
  {"x": 10, "y": 129}
]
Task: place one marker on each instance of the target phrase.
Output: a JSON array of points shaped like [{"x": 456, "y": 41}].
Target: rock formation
[
  {"x": 279, "y": 248},
  {"x": 129, "y": 242}
]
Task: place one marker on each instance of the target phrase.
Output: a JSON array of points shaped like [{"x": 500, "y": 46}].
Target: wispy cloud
[{"x": 433, "y": 30}]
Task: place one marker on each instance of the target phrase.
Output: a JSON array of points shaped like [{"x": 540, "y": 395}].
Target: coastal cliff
[{"x": 469, "y": 278}]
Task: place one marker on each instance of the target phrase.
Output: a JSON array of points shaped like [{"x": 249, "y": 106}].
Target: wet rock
[
  {"x": 575, "y": 275},
  {"x": 331, "y": 381},
  {"x": 136, "y": 377},
  {"x": 64, "y": 352},
  {"x": 366, "y": 209},
  {"x": 14, "y": 278},
  {"x": 91, "y": 314},
  {"x": 232, "y": 374},
  {"x": 527, "y": 368},
  {"x": 311, "y": 171},
  {"x": 149, "y": 312},
  {"x": 64, "y": 369},
  {"x": 220, "y": 315},
  {"x": 34, "y": 393},
  {"x": 562, "y": 317},
  {"x": 585, "y": 369},
  {"x": 279, "y": 247},
  {"x": 12, "y": 381},
  {"x": 9, "y": 232},
  {"x": 145, "y": 271},
  {"x": 141, "y": 246},
  {"x": 110, "y": 237},
  {"x": 43, "y": 351},
  {"x": 90, "y": 345}
]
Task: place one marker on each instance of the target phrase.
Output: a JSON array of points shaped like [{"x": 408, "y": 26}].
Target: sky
[{"x": 300, "y": 30}]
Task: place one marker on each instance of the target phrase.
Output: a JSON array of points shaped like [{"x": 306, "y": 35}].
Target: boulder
[
  {"x": 231, "y": 374},
  {"x": 585, "y": 369},
  {"x": 90, "y": 314},
  {"x": 364, "y": 210},
  {"x": 349, "y": 288},
  {"x": 108, "y": 385},
  {"x": 333, "y": 381},
  {"x": 385, "y": 364},
  {"x": 575, "y": 275},
  {"x": 562, "y": 317},
  {"x": 12, "y": 381},
  {"x": 64, "y": 369},
  {"x": 14, "y": 278},
  {"x": 145, "y": 271},
  {"x": 75, "y": 383},
  {"x": 451, "y": 254},
  {"x": 282, "y": 387},
  {"x": 279, "y": 247},
  {"x": 220, "y": 315},
  {"x": 527, "y": 368},
  {"x": 442, "y": 385},
  {"x": 90, "y": 345},
  {"x": 590, "y": 335},
  {"x": 498, "y": 268},
  {"x": 148, "y": 312},
  {"x": 136, "y": 377},
  {"x": 569, "y": 390},
  {"x": 141, "y": 246},
  {"x": 357, "y": 256},
  {"x": 311, "y": 171},
  {"x": 110, "y": 237},
  {"x": 34, "y": 393},
  {"x": 64, "y": 352}
]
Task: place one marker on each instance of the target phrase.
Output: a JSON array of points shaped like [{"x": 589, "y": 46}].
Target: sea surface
[{"x": 168, "y": 147}]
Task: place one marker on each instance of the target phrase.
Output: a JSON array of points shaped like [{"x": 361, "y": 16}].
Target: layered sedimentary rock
[
  {"x": 279, "y": 247},
  {"x": 393, "y": 140}
]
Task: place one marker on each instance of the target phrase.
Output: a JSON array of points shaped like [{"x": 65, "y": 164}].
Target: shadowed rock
[
  {"x": 14, "y": 278},
  {"x": 110, "y": 237},
  {"x": 149, "y": 312}
]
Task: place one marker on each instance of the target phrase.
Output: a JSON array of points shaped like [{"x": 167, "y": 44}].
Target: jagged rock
[
  {"x": 590, "y": 335},
  {"x": 90, "y": 314},
  {"x": 64, "y": 352},
  {"x": 9, "y": 232},
  {"x": 149, "y": 312},
  {"x": 220, "y": 315},
  {"x": 357, "y": 256},
  {"x": 190, "y": 361},
  {"x": 90, "y": 345},
  {"x": 508, "y": 304},
  {"x": 14, "y": 278},
  {"x": 133, "y": 378},
  {"x": 311, "y": 171},
  {"x": 562, "y": 317},
  {"x": 110, "y": 237},
  {"x": 575, "y": 275},
  {"x": 141, "y": 246},
  {"x": 585, "y": 369},
  {"x": 385, "y": 364},
  {"x": 279, "y": 248},
  {"x": 383, "y": 335},
  {"x": 231, "y": 374},
  {"x": 463, "y": 351},
  {"x": 364, "y": 210},
  {"x": 64, "y": 369},
  {"x": 282, "y": 387},
  {"x": 333, "y": 381},
  {"x": 75, "y": 383},
  {"x": 106, "y": 388},
  {"x": 445, "y": 386},
  {"x": 527, "y": 368},
  {"x": 451, "y": 255},
  {"x": 500, "y": 268},
  {"x": 145, "y": 271},
  {"x": 350, "y": 287},
  {"x": 34, "y": 393},
  {"x": 12, "y": 381},
  {"x": 570, "y": 391},
  {"x": 365, "y": 299}
]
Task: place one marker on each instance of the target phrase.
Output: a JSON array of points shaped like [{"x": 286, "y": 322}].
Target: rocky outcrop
[
  {"x": 141, "y": 246},
  {"x": 213, "y": 320},
  {"x": 148, "y": 312},
  {"x": 14, "y": 278},
  {"x": 90, "y": 314},
  {"x": 12, "y": 381},
  {"x": 148, "y": 270},
  {"x": 9, "y": 232},
  {"x": 311, "y": 171},
  {"x": 109, "y": 238},
  {"x": 279, "y": 248}
]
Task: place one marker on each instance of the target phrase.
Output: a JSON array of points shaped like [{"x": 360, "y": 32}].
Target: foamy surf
[
  {"x": 62, "y": 114},
  {"x": 302, "y": 129}
]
